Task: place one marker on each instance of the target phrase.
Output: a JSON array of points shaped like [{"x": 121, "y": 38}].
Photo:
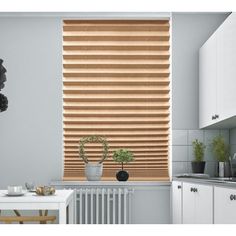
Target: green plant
[
  {"x": 96, "y": 139},
  {"x": 198, "y": 150},
  {"x": 220, "y": 149},
  {"x": 123, "y": 156}
]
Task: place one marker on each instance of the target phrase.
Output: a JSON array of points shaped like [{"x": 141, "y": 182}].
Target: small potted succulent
[
  {"x": 198, "y": 165},
  {"x": 93, "y": 171},
  {"x": 122, "y": 156},
  {"x": 221, "y": 152}
]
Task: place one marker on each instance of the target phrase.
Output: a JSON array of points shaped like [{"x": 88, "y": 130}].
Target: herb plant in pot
[
  {"x": 93, "y": 171},
  {"x": 198, "y": 165},
  {"x": 122, "y": 156},
  {"x": 221, "y": 152}
]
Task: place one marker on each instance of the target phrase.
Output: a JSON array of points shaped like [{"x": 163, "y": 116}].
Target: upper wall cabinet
[
  {"x": 207, "y": 82},
  {"x": 217, "y": 73}
]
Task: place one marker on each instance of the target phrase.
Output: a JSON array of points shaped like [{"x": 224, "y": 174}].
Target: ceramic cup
[{"x": 14, "y": 189}]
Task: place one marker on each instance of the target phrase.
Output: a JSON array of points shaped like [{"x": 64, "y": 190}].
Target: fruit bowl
[{"x": 45, "y": 190}]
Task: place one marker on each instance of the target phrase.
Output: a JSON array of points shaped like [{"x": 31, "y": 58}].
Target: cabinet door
[
  {"x": 176, "y": 202},
  {"x": 197, "y": 204},
  {"x": 207, "y": 82},
  {"x": 226, "y": 68},
  {"x": 224, "y": 205},
  {"x": 188, "y": 204},
  {"x": 204, "y": 204}
]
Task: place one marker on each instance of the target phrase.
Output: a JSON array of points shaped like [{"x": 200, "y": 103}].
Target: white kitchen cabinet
[
  {"x": 226, "y": 68},
  {"x": 217, "y": 72},
  {"x": 176, "y": 202},
  {"x": 207, "y": 82},
  {"x": 197, "y": 204},
  {"x": 224, "y": 205}
]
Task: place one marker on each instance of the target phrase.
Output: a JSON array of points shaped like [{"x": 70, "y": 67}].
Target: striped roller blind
[{"x": 116, "y": 84}]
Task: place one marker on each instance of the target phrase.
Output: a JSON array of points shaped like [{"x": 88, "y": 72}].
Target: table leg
[{"x": 62, "y": 213}]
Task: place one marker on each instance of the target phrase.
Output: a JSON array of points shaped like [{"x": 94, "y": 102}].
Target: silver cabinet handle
[
  {"x": 215, "y": 117},
  {"x": 179, "y": 186},
  {"x": 193, "y": 190}
]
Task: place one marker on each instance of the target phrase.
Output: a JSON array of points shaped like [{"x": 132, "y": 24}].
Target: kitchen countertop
[{"x": 207, "y": 181}]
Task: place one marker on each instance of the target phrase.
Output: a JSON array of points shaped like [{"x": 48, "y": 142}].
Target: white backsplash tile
[
  {"x": 233, "y": 136},
  {"x": 209, "y": 135},
  {"x": 179, "y": 168},
  {"x": 232, "y": 150},
  {"x": 182, "y": 150},
  {"x": 225, "y": 135},
  {"x": 210, "y": 168},
  {"x": 179, "y": 137},
  {"x": 209, "y": 156},
  {"x": 180, "y": 153},
  {"x": 195, "y": 134},
  {"x": 189, "y": 164},
  {"x": 190, "y": 153}
]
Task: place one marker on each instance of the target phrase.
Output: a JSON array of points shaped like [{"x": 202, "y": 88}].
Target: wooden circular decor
[{"x": 93, "y": 139}]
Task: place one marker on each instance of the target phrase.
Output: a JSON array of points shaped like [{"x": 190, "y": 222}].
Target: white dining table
[{"x": 64, "y": 201}]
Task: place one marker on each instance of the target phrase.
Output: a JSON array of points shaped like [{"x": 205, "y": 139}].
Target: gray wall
[
  {"x": 31, "y": 128},
  {"x": 190, "y": 31}
]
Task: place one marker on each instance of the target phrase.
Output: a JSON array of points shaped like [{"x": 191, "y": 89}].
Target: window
[{"x": 116, "y": 84}]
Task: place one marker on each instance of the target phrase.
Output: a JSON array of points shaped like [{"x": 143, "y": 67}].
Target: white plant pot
[
  {"x": 221, "y": 169},
  {"x": 93, "y": 171}
]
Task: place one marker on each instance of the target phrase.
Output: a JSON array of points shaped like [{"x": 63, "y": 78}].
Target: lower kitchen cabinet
[
  {"x": 177, "y": 202},
  {"x": 197, "y": 204},
  {"x": 224, "y": 205}
]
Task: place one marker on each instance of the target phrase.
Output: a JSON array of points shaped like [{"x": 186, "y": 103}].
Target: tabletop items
[
  {"x": 39, "y": 190},
  {"x": 45, "y": 190},
  {"x": 15, "y": 191},
  {"x": 30, "y": 186}
]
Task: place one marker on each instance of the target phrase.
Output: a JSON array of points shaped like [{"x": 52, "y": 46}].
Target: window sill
[{"x": 110, "y": 183}]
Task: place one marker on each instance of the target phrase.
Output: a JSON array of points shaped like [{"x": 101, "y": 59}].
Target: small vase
[
  {"x": 198, "y": 166},
  {"x": 122, "y": 175},
  {"x": 221, "y": 169},
  {"x": 93, "y": 171},
  {"x": 224, "y": 169}
]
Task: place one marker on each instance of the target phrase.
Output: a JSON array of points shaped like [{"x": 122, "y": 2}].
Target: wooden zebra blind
[{"x": 116, "y": 84}]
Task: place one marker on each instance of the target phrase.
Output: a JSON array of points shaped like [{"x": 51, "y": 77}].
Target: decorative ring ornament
[{"x": 91, "y": 139}]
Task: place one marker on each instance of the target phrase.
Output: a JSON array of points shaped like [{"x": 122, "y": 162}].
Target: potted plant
[
  {"x": 122, "y": 156},
  {"x": 198, "y": 165},
  {"x": 93, "y": 171},
  {"x": 221, "y": 152}
]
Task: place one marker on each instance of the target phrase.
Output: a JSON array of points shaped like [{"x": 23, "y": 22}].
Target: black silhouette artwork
[{"x": 3, "y": 98}]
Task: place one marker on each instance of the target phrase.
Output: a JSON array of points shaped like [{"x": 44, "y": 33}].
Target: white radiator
[{"x": 104, "y": 205}]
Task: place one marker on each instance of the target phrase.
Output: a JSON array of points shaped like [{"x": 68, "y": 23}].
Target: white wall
[
  {"x": 190, "y": 31},
  {"x": 31, "y": 128}
]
